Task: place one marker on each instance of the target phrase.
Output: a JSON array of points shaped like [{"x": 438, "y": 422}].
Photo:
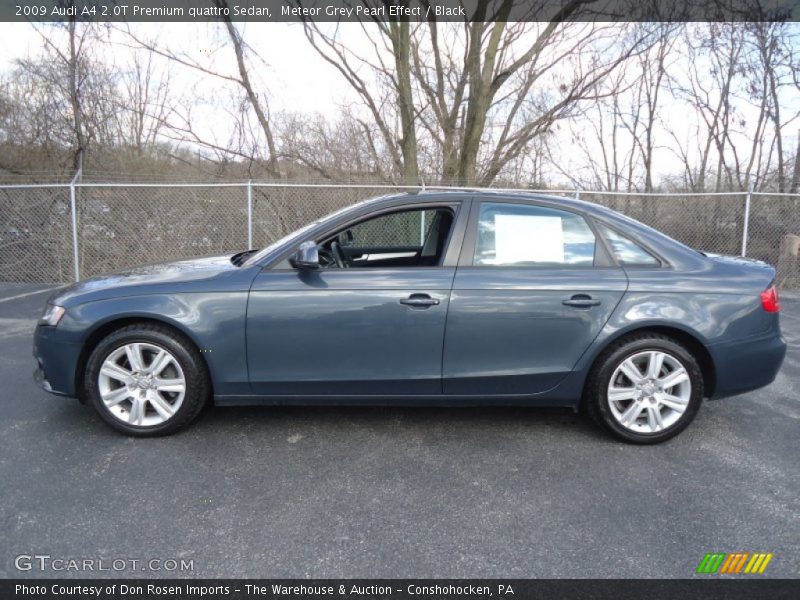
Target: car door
[
  {"x": 533, "y": 288},
  {"x": 360, "y": 331}
]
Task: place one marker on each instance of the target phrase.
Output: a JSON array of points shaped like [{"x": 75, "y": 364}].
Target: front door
[
  {"x": 370, "y": 323},
  {"x": 532, "y": 291}
]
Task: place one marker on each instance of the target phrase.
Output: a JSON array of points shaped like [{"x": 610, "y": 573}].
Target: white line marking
[
  {"x": 13, "y": 327},
  {"x": 28, "y": 294}
]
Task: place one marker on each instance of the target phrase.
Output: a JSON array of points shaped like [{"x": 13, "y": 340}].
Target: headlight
[{"x": 52, "y": 315}]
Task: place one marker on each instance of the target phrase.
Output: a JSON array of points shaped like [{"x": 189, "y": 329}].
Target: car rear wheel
[
  {"x": 146, "y": 380},
  {"x": 645, "y": 389}
]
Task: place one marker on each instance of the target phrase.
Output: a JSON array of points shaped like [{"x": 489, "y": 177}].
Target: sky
[{"x": 293, "y": 67}]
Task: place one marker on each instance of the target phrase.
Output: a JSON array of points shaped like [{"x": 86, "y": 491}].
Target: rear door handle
[
  {"x": 581, "y": 301},
  {"x": 419, "y": 301}
]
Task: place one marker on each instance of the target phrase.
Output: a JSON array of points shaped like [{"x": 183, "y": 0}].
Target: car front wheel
[
  {"x": 146, "y": 380},
  {"x": 645, "y": 389}
]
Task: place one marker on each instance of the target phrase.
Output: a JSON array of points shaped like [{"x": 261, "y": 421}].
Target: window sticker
[{"x": 528, "y": 238}]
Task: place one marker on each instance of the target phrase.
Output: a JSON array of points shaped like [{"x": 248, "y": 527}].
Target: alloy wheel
[
  {"x": 141, "y": 384},
  {"x": 649, "y": 391}
]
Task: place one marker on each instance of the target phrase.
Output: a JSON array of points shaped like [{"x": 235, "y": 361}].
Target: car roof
[{"x": 482, "y": 193}]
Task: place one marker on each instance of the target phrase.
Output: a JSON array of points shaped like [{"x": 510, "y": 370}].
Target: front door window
[{"x": 404, "y": 238}]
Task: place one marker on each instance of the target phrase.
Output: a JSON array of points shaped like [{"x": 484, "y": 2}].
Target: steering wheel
[{"x": 338, "y": 256}]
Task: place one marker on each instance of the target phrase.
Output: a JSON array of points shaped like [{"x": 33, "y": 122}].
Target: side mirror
[{"x": 306, "y": 257}]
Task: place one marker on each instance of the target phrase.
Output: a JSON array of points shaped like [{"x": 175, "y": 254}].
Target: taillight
[{"x": 769, "y": 299}]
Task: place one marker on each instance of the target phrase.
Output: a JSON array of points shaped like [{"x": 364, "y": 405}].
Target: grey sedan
[{"x": 452, "y": 298}]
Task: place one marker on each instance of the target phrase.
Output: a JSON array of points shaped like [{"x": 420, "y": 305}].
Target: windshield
[{"x": 258, "y": 256}]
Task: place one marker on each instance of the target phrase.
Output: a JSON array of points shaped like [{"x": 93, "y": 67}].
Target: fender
[{"x": 213, "y": 321}]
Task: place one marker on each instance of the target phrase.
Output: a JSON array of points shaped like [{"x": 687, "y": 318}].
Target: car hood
[{"x": 165, "y": 277}]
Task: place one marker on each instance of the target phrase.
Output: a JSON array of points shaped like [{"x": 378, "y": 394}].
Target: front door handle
[
  {"x": 419, "y": 301},
  {"x": 581, "y": 301}
]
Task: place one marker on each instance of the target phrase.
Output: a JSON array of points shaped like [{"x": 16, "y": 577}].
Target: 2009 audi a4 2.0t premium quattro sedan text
[{"x": 451, "y": 298}]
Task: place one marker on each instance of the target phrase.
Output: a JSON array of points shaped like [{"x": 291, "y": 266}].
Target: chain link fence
[
  {"x": 120, "y": 225},
  {"x": 35, "y": 234}
]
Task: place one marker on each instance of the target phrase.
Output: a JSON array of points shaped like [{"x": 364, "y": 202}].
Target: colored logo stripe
[
  {"x": 758, "y": 563},
  {"x": 710, "y": 563},
  {"x": 733, "y": 563}
]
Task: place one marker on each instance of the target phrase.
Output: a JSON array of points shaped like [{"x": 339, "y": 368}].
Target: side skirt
[{"x": 438, "y": 400}]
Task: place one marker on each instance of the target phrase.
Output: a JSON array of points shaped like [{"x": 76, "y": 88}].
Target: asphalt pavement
[{"x": 390, "y": 492}]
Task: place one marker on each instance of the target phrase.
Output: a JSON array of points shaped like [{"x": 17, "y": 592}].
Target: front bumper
[
  {"x": 747, "y": 365},
  {"x": 41, "y": 380},
  {"x": 56, "y": 359}
]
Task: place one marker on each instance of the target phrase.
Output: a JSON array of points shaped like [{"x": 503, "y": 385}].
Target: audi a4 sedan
[{"x": 452, "y": 298}]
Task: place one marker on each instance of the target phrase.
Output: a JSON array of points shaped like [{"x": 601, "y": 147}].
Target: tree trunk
[
  {"x": 244, "y": 76},
  {"x": 75, "y": 99},
  {"x": 405, "y": 99},
  {"x": 796, "y": 176}
]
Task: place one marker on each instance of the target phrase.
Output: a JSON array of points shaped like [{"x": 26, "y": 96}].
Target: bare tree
[
  {"x": 73, "y": 60},
  {"x": 474, "y": 102},
  {"x": 712, "y": 54},
  {"x": 146, "y": 104},
  {"x": 343, "y": 149},
  {"x": 617, "y": 134},
  {"x": 772, "y": 65},
  {"x": 736, "y": 77},
  {"x": 796, "y": 172},
  {"x": 653, "y": 71},
  {"x": 257, "y": 102},
  {"x": 481, "y": 91}
]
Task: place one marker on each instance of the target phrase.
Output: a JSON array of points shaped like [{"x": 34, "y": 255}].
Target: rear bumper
[
  {"x": 747, "y": 365},
  {"x": 56, "y": 359}
]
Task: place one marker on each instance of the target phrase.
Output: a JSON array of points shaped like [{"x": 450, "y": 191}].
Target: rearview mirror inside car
[{"x": 346, "y": 238}]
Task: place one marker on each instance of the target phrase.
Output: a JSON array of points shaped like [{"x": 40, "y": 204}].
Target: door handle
[
  {"x": 419, "y": 301},
  {"x": 581, "y": 301}
]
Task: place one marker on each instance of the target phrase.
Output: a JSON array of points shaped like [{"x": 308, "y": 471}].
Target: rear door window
[{"x": 525, "y": 235}]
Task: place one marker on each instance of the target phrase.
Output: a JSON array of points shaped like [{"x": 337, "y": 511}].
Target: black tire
[
  {"x": 198, "y": 387},
  {"x": 596, "y": 396}
]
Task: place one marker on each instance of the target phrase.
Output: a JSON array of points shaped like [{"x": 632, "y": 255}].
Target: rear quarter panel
[{"x": 717, "y": 303}]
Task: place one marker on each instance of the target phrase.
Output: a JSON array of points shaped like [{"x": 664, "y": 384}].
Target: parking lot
[{"x": 394, "y": 492}]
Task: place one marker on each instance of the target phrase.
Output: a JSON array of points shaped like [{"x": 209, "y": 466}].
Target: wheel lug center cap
[{"x": 142, "y": 382}]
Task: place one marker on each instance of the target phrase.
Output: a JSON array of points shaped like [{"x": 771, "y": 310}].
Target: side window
[
  {"x": 524, "y": 235},
  {"x": 395, "y": 230},
  {"x": 405, "y": 238},
  {"x": 626, "y": 251}
]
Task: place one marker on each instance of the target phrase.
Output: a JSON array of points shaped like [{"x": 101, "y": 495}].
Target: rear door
[{"x": 533, "y": 288}]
